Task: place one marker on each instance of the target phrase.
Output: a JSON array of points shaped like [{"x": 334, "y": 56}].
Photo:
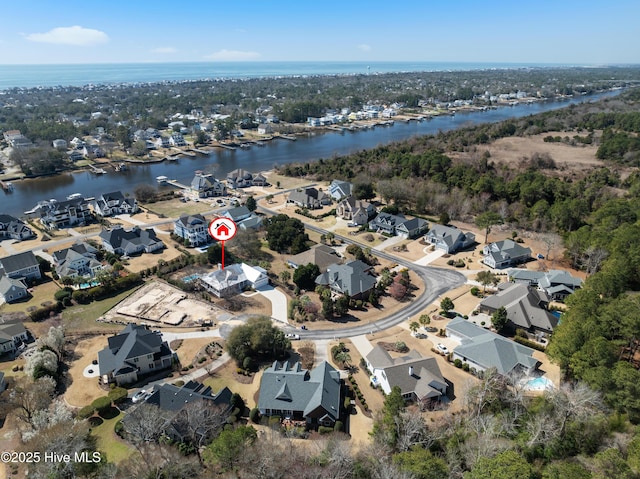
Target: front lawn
[
  {"x": 82, "y": 317},
  {"x": 42, "y": 293},
  {"x": 108, "y": 442}
]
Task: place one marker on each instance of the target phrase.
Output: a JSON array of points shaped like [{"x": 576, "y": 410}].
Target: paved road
[{"x": 437, "y": 282}]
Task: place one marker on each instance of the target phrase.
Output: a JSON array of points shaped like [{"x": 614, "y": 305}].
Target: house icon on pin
[{"x": 222, "y": 230}]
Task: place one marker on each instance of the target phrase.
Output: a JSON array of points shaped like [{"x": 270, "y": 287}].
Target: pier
[{"x": 97, "y": 171}]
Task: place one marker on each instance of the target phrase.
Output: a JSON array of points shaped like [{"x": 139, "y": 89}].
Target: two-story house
[
  {"x": 193, "y": 228},
  {"x": 12, "y": 335},
  {"x": 131, "y": 242},
  {"x": 358, "y": 212},
  {"x": 502, "y": 254},
  {"x": 20, "y": 266},
  {"x": 449, "y": 238},
  {"x": 133, "y": 352},
  {"x": 62, "y": 214},
  {"x": 77, "y": 261},
  {"x": 206, "y": 185},
  {"x": 352, "y": 278},
  {"x": 114, "y": 203},
  {"x": 311, "y": 198},
  {"x": 13, "y": 228}
]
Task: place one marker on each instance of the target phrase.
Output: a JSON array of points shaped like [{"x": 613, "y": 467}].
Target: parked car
[
  {"x": 139, "y": 396},
  {"x": 292, "y": 336},
  {"x": 431, "y": 329},
  {"x": 442, "y": 348}
]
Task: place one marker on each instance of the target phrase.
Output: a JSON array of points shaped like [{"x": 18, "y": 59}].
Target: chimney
[{"x": 410, "y": 370}]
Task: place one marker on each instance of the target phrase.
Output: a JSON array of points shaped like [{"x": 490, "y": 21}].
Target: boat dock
[
  {"x": 288, "y": 137},
  {"x": 163, "y": 180},
  {"x": 228, "y": 147},
  {"x": 7, "y": 186},
  {"x": 97, "y": 171}
]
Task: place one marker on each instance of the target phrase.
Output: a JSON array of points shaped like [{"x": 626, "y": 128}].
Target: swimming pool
[
  {"x": 538, "y": 384},
  {"x": 190, "y": 278}
]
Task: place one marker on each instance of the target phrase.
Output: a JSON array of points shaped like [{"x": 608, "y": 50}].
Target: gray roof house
[
  {"x": 12, "y": 290},
  {"x": 13, "y": 228},
  {"x": 170, "y": 400},
  {"x": 556, "y": 283},
  {"x": 78, "y": 260},
  {"x": 114, "y": 203},
  {"x": 289, "y": 391},
  {"x": 526, "y": 307},
  {"x": 12, "y": 334},
  {"x": 130, "y": 242},
  {"x": 398, "y": 225},
  {"x": 449, "y": 238},
  {"x": 62, "y": 214},
  {"x": 240, "y": 178},
  {"x": 311, "y": 198},
  {"x": 502, "y": 254},
  {"x": 340, "y": 189},
  {"x": 237, "y": 214},
  {"x": 204, "y": 186},
  {"x": 351, "y": 278},
  {"x": 321, "y": 255},
  {"x": 193, "y": 228},
  {"x": 418, "y": 378},
  {"x": 483, "y": 349},
  {"x": 21, "y": 265},
  {"x": 358, "y": 212},
  {"x": 133, "y": 352}
]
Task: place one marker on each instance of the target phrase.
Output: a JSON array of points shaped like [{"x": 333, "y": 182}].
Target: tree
[
  {"x": 485, "y": 278},
  {"x": 421, "y": 463},
  {"x": 144, "y": 424},
  {"x": 304, "y": 277},
  {"x": 424, "y": 320},
  {"x": 384, "y": 428},
  {"x": 444, "y": 218},
  {"x": 327, "y": 308},
  {"x": 486, "y": 220},
  {"x": 43, "y": 362},
  {"x": 229, "y": 446},
  {"x": 499, "y": 319},
  {"x": 506, "y": 465},
  {"x": 285, "y": 234},
  {"x": 414, "y": 326},
  {"x": 256, "y": 339},
  {"x": 363, "y": 191},
  {"x": 251, "y": 203},
  {"x": 285, "y": 276},
  {"x": 446, "y": 304},
  {"x": 54, "y": 341},
  {"x": 341, "y": 306},
  {"x": 32, "y": 397},
  {"x": 200, "y": 421}
]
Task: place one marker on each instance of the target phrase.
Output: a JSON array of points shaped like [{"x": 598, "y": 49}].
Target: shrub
[
  {"x": 451, "y": 262},
  {"x": 325, "y": 430},
  {"x": 338, "y": 426},
  {"x": 475, "y": 291},
  {"x": 118, "y": 428},
  {"x": 457, "y": 363},
  {"x": 531, "y": 344},
  {"x": 86, "y": 412},
  {"x": 102, "y": 404},
  {"x": 61, "y": 294},
  {"x": 179, "y": 383},
  {"x": 465, "y": 367},
  {"x": 118, "y": 395}
]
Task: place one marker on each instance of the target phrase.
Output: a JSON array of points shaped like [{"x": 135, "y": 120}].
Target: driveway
[
  {"x": 390, "y": 242},
  {"x": 278, "y": 303},
  {"x": 430, "y": 258}
]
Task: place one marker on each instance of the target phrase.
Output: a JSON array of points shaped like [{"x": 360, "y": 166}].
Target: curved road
[{"x": 437, "y": 281}]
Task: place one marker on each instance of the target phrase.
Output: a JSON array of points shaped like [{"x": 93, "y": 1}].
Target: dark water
[{"x": 278, "y": 152}]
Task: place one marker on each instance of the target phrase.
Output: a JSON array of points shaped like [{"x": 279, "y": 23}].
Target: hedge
[
  {"x": 530, "y": 344},
  {"x": 86, "y": 412},
  {"x": 102, "y": 404},
  {"x": 118, "y": 395}
]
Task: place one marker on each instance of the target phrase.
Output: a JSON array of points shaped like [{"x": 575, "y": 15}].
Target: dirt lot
[{"x": 160, "y": 302}]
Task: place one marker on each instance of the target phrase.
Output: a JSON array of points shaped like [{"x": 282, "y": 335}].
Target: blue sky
[{"x": 560, "y": 31}]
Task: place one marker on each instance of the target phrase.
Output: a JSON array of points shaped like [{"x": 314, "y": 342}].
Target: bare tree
[
  {"x": 144, "y": 424},
  {"x": 592, "y": 259},
  {"x": 200, "y": 421},
  {"x": 551, "y": 242},
  {"x": 30, "y": 397},
  {"x": 54, "y": 341}
]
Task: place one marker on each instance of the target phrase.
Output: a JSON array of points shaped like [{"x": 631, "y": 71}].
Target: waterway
[{"x": 27, "y": 193}]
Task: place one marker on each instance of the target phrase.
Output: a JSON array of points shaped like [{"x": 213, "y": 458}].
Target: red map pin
[{"x": 222, "y": 229}]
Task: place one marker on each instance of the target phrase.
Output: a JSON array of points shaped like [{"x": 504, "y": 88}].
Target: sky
[{"x": 134, "y": 31}]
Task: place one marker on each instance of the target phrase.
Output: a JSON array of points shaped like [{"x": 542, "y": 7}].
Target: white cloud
[
  {"x": 364, "y": 47},
  {"x": 232, "y": 55},
  {"x": 75, "y": 35},
  {"x": 164, "y": 50}
]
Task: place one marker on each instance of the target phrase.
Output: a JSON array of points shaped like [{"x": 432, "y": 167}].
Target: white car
[
  {"x": 139, "y": 396},
  {"x": 442, "y": 348},
  {"x": 292, "y": 336}
]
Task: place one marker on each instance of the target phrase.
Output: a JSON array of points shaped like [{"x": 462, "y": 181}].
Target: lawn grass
[
  {"x": 174, "y": 208},
  {"x": 82, "y": 317},
  {"x": 42, "y": 293},
  {"x": 109, "y": 443}
]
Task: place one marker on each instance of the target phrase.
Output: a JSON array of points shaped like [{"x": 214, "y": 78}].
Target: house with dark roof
[
  {"x": 449, "y": 238},
  {"x": 20, "y": 266},
  {"x": 340, "y": 189},
  {"x": 114, "y": 203},
  {"x": 412, "y": 228},
  {"x": 418, "y": 378},
  {"x": 398, "y": 225},
  {"x": 240, "y": 178},
  {"x": 321, "y": 255},
  {"x": 288, "y": 391},
  {"x": 193, "y": 228},
  {"x": 205, "y": 186},
  {"x": 311, "y": 198},
  {"x": 77, "y": 261},
  {"x": 556, "y": 283},
  {"x": 131, "y": 242},
  {"x": 483, "y": 349},
  {"x": 526, "y": 307},
  {"x": 62, "y": 214},
  {"x": 503, "y": 254},
  {"x": 358, "y": 212},
  {"x": 133, "y": 352},
  {"x": 352, "y": 278},
  {"x": 171, "y": 400},
  {"x": 12, "y": 335},
  {"x": 13, "y": 228}
]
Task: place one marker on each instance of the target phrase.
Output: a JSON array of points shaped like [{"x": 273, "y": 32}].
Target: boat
[
  {"x": 7, "y": 186},
  {"x": 120, "y": 167},
  {"x": 74, "y": 196},
  {"x": 245, "y": 145},
  {"x": 162, "y": 179}
]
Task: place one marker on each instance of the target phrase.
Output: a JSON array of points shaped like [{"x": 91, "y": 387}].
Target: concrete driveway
[{"x": 278, "y": 303}]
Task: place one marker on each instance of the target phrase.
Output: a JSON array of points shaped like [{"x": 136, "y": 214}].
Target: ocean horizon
[{"x": 78, "y": 75}]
